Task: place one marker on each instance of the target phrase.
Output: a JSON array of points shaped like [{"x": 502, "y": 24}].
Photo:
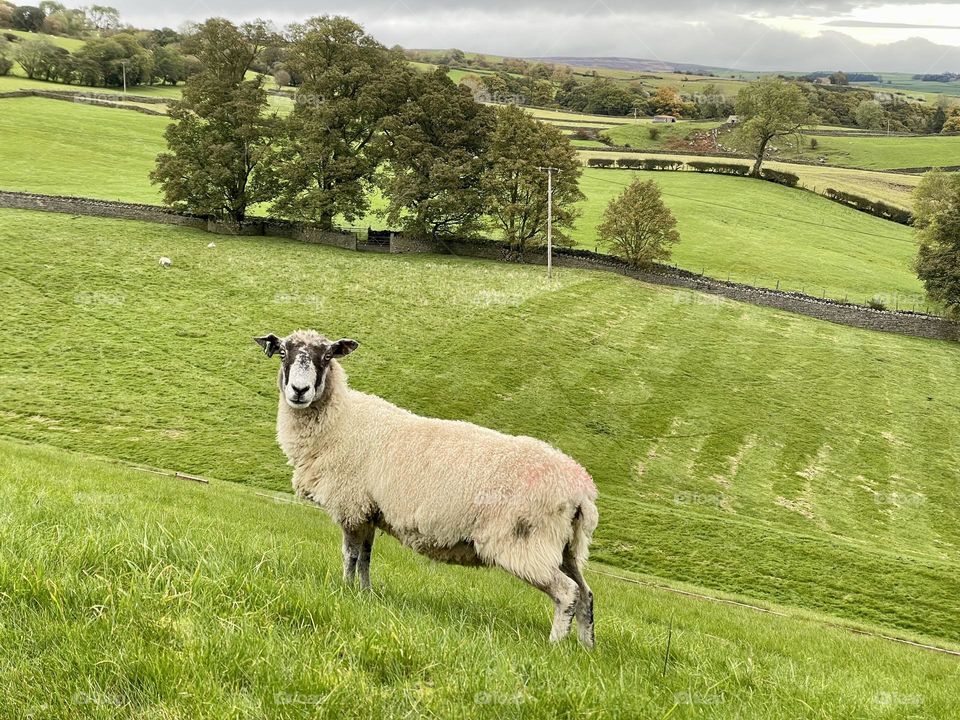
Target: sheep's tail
[{"x": 585, "y": 519}]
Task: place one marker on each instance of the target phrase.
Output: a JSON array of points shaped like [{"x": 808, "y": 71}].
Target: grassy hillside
[
  {"x": 735, "y": 447},
  {"x": 71, "y": 149},
  {"x": 748, "y": 230},
  {"x": 761, "y": 233},
  {"x": 128, "y": 595},
  {"x": 637, "y": 134},
  {"x": 893, "y": 188}
]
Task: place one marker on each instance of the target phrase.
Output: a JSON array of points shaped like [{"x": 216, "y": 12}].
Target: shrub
[
  {"x": 876, "y": 303},
  {"x": 779, "y": 177},
  {"x": 658, "y": 164},
  {"x": 814, "y": 144},
  {"x": 873, "y": 207},
  {"x": 5, "y": 65},
  {"x": 600, "y": 162},
  {"x": 653, "y": 132},
  {"x": 638, "y": 225},
  {"x": 630, "y": 163},
  {"x": 720, "y": 168}
]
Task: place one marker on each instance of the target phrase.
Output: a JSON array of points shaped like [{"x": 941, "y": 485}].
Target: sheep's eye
[{"x": 283, "y": 353}]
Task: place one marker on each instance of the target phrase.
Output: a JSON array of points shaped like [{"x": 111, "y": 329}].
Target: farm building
[{"x": 664, "y": 119}]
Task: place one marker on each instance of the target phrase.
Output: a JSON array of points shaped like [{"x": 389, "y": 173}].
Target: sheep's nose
[{"x": 298, "y": 391}]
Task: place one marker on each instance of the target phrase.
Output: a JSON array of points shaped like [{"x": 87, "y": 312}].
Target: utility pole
[
  {"x": 549, "y": 171},
  {"x": 123, "y": 64}
]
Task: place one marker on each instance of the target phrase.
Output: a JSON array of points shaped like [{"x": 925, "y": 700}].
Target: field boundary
[
  {"x": 109, "y": 100},
  {"x": 901, "y": 322}
]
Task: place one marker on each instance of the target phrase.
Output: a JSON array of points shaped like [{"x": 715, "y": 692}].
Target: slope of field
[
  {"x": 127, "y": 595},
  {"x": 892, "y": 188},
  {"x": 637, "y": 134},
  {"x": 735, "y": 447},
  {"x": 764, "y": 234},
  {"x": 66, "y": 148},
  {"x": 67, "y": 43}
]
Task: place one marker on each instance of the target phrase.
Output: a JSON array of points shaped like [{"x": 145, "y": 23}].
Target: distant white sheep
[
  {"x": 165, "y": 262},
  {"x": 452, "y": 491},
  {"x": 212, "y": 245}
]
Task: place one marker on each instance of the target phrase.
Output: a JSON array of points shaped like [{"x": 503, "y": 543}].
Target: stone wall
[
  {"x": 117, "y": 101},
  {"x": 904, "y": 323}
]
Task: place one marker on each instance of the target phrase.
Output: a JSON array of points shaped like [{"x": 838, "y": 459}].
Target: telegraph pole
[
  {"x": 549, "y": 171},
  {"x": 123, "y": 64}
]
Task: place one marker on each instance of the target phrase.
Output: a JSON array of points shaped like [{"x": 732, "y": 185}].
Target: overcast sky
[{"x": 912, "y": 37}]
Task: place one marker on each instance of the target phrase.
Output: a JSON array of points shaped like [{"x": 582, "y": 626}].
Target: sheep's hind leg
[
  {"x": 363, "y": 562},
  {"x": 584, "y": 609},
  {"x": 565, "y": 595}
]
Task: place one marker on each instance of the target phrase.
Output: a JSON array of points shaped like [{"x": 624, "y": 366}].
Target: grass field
[
  {"x": 735, "y": 447},
  {"x": 761, "y": 233},
  {"x": 127, "y": 595},
  {"x": 727, "y": 223},
  {"x": 881, "y": 152},
  {"x": 893, "y": 188},
  {"x": 637, "y": 134}
]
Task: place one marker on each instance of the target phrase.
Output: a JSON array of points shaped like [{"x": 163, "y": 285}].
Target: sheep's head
[{"x": 305, "y": 358}]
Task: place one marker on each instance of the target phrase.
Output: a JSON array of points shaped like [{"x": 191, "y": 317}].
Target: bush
[
  {"x": 873, "y": 207},
  {"x": 600, "y": 162},
  {"x": 814, "y": 144},
  {"x": 781, "y": 178},
  {"x": 630, "y": 163},
  {"x": 657, "y": 164},
  {"x": 5, "y": 65},
  {"x": 720, "y": 168},
  {"x": 876, "y": 303},
  {"x": 653, "y": 132}
]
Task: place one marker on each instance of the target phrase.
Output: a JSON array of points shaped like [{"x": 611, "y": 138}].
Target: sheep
[
  {"x": 452, "y": 491},
  {"x": 165, "y": 262}
]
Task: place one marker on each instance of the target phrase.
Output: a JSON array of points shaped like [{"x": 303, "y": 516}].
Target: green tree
[
  {"x": 769, "y": 108},
  {"x": 220, "y": 141},
  {"x": 27, "y": 17},
  {"x": 101, "y": 61},
  {"x": 870, "y": 115},
  {"x": 515, "y": 191},
  {"x": 103, "y": 17},
  {"x": 349, "y": 84},
  {"x": 435, "y": 144},
  {"x": 38, "y": 57},
  {"x": 937, "y": 222},
  {"x": 638, "y": 225}
]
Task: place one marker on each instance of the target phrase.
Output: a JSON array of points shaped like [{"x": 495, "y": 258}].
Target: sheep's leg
[
  {"x": 565, "y": 595},
  {"x": 363, "y": 564},
  {"x": 357, "y": 544},
  {"x": 584, "y": 609}
]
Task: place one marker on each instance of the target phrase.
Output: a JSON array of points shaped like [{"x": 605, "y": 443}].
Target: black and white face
[{"x": 304, "y": 362}]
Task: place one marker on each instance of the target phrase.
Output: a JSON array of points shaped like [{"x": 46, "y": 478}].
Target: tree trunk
[{"x": 758, "y": 165}]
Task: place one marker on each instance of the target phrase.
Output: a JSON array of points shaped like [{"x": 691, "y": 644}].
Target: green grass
[
  {"x": 127, "y": 595},
  {"x": 67, "y": 43},
  {"x": 761, "y": 233},
  {"x": 893, "y": 188},
  {"x": 880, "y": 153},
  {"x": 735, "y": 447},
  {"x": 66, "y": 148},
  {"x": 637, "y": 134}
]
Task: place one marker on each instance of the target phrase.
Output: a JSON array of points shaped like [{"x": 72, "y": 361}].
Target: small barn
[{"x": 664, "y": 119}]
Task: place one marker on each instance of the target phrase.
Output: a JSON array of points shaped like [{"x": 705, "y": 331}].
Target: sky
[{"x": 914, "y": 37}]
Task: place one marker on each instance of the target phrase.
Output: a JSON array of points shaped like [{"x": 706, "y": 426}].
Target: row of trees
[
  {"x": 141, "y": 58},
  {"x": 54, "y": 18},
  {"x": 362, "y": 119}
]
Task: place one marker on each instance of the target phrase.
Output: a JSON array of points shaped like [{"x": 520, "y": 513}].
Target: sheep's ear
[
  {"x": 270, "y": 344},
  {"x": 343, "y": 347}
]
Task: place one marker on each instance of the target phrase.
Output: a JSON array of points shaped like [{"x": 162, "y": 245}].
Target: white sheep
[
  {"x": 165, "y": 262},
  {"x": 452, "y": 491}
]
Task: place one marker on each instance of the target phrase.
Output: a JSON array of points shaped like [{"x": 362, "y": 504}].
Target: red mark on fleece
[{"x": 577, "y": 477}]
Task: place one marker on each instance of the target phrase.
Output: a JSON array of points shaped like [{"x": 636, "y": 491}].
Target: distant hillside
[{"x": 621, "y": 63}]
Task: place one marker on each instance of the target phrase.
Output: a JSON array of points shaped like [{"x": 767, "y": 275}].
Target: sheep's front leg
[{"x": 357, "y": 545}]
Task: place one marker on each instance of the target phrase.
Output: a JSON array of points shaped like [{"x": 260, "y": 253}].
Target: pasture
[
  {"x": 749, "y": 231},
  {"x": 736, "y": 448},
  {"x": 763, "y": 234},
  {"x": 128, "y": 595}
]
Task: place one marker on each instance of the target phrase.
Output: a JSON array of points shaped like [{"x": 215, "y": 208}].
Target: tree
[
  {"x": 638, "y": 225},
  {"x": 515, "y": 190},
  {"x": 38, "y": 57},
  {"x": 667, "y": 101},
  {"x": 103, "y": 17},
  {"x": 939, "y": 118},
  {"x": 349, "y": 84},
  {"x": 769, "y": 108},
  {"x": 220, "y": 141},
  {"x": 937, "y": 223},
  {"x": 169, "y": 64},
  {"x": 6, "y": 14},
  {"x": 952, "y": 124},
  {"x": 105, "y": 61},
  {"x": 870, "y": 115},
  {"x": 5, "y": 63},
  {"x": 435, "y": 144},
  {"x": 27, "y": 17},
  {"x": 839, "y": 78}
]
